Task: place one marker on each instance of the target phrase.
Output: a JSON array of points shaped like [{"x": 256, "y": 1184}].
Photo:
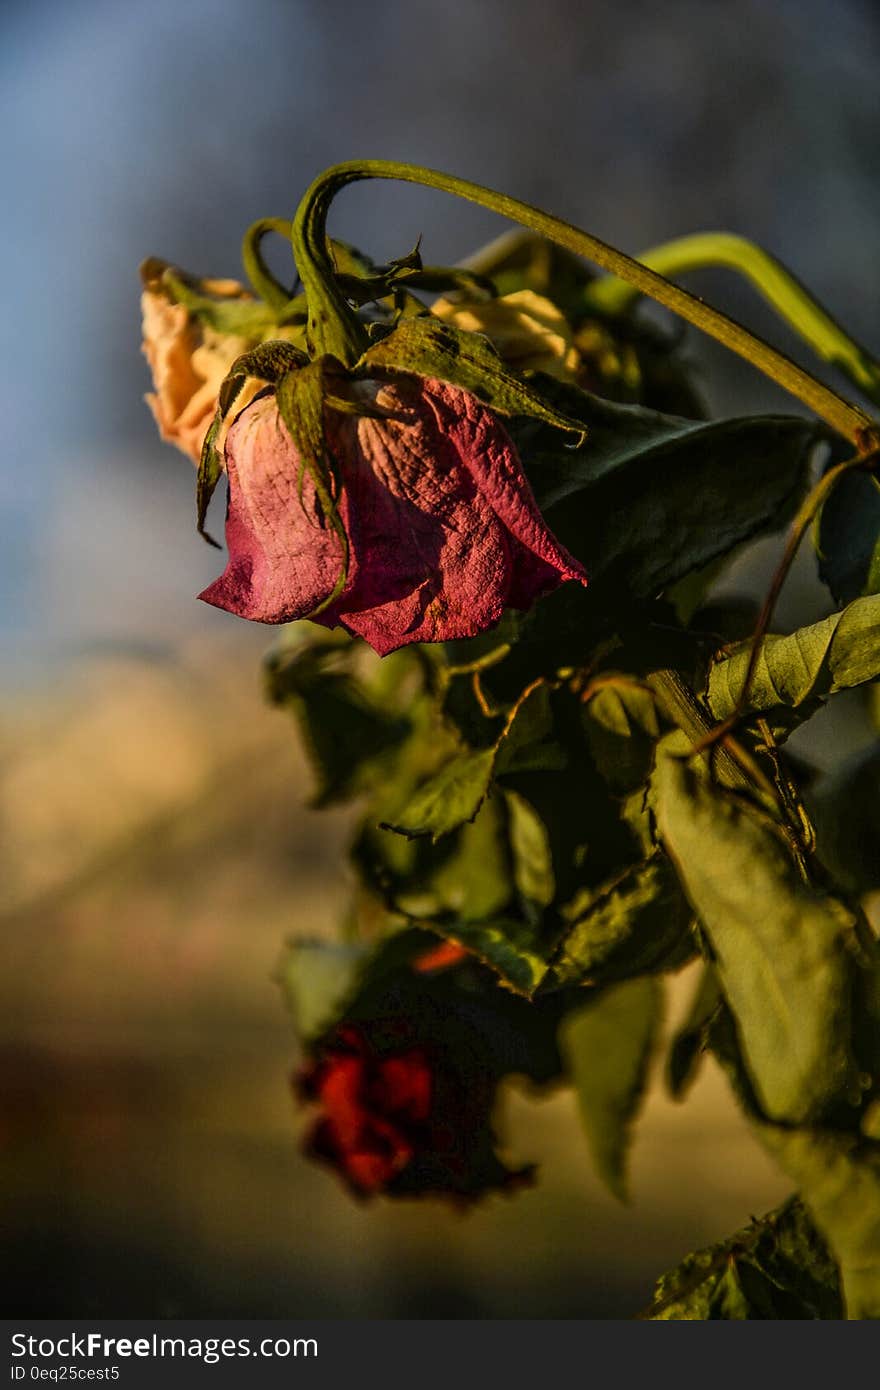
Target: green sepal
[
  {"x": 300, "y": 395},
  {"x": 430, "y": 348},
  {"x": 242, "y": 318},
  {"x": 208, "y": 475},
  {"x": 239, "y": 315}
]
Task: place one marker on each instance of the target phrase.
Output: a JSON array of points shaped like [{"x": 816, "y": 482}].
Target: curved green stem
[
  {"x": 267, "y": 287},
  {"x": 334, "y": 328},
  {"x": 770, "y": 278},
  {"x": 332, "y": 325}
]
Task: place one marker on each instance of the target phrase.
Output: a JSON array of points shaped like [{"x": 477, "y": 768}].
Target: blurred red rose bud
[{"x": 401, "y": 1118}]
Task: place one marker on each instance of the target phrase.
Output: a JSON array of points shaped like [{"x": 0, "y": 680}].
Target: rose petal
[
  {"x": 443, "y": 529},
  {"x": 441, "y": 518},
  {"x": 282, "y": 564}
]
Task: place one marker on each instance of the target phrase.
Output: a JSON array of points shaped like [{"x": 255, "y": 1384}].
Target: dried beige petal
[
  {"x": 188, "y": 361},
  {"x": 529, "y": 332}
]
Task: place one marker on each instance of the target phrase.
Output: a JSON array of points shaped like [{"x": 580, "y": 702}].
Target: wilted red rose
[
  {"x": 444, "y": 532},
  {"x": 397, "y": 1118}
]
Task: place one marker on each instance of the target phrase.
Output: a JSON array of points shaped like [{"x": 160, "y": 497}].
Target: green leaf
[
  {"x": 849, "y": 538},
  {"x": 782, "y": 950},
  {"x": 431, "y": 348},
  {"x": 317, "y": 980},
  {"x": 349, "y": 736},
  {"x": 839, "y": 1178},
  {"x": 636, "y": 923},
  {"x": 449, "y": 799},
  {"x": 527, "y": 742},
  {"x": 776, "y": 1268},
  {"x": 454, "y": 794},
  {"x": 839, "y": 652},
  {"x": 622, "y": 725},
  {"x": 510, "y": 946},
  {"x": 465, "y": 878},
  {"x": 648, "y": 498},
  {"x": 300, "y": 394},
  {"x": 607, "y": 1045},
  {"x": 531, "y": 850},
  {"x": 691, "y": 1038}
]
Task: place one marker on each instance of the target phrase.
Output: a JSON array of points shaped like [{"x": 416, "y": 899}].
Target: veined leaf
[
  {"x": 648, "y": 498},
  {"x": 531, "y": 850},
  {"x": 347, "y": 734},
  {"x": 455, "y": 792},
  {"x": 449, "y": 799},
  {"x": 776, "y": 1268},
  {"x": 783, "y": 951},
  {"x": 841, "y": 651},
  {"x": 622, "y": 725},
  {"x": 511, "y": 947},
  {"x": 607, "y": 1045},
  {"x": 635, "y": 924}
]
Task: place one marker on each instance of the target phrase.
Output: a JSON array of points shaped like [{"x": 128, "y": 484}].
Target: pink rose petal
[{"x": 443, "y": 529}]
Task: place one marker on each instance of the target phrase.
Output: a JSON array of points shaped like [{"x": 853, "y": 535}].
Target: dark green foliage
[
  {"x": 845, "y": 810},
  {"x": 775, "y": 941},
  {"x": 531, "y": 795},
  {"x": 778, "y": 1267},
  {"x": 649, "y": 498},
  {"x": 848, "y": 540},
  {"x": 607, "y": 1044}
]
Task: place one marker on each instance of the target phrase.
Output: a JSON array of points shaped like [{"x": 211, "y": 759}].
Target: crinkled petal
[
  {"x": 282, "y": 564},
  {"x": 443, "y": 529},
  {"x": 441, "y": 518},
  {"x": 487, "y": 451}
]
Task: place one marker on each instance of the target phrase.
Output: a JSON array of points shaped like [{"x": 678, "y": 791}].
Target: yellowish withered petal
[
  {"x": 188, "y": 361},
  {"x": 529, "y": 332}
]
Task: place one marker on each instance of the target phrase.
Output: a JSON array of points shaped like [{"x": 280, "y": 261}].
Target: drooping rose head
[
  {"x": 443, "y": 529},
  {"x": 397, "y": 1116}
]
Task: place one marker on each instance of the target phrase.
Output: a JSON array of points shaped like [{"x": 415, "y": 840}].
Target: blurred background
[{"x": 155, "y": 850}]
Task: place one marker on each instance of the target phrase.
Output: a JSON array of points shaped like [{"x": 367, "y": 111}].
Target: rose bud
[
  {"x": 443, "y": 530},
  {"x": 400, "y": 1117}
]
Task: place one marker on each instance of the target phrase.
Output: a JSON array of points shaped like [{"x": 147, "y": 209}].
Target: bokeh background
[{"x": 155, "y": 848}]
